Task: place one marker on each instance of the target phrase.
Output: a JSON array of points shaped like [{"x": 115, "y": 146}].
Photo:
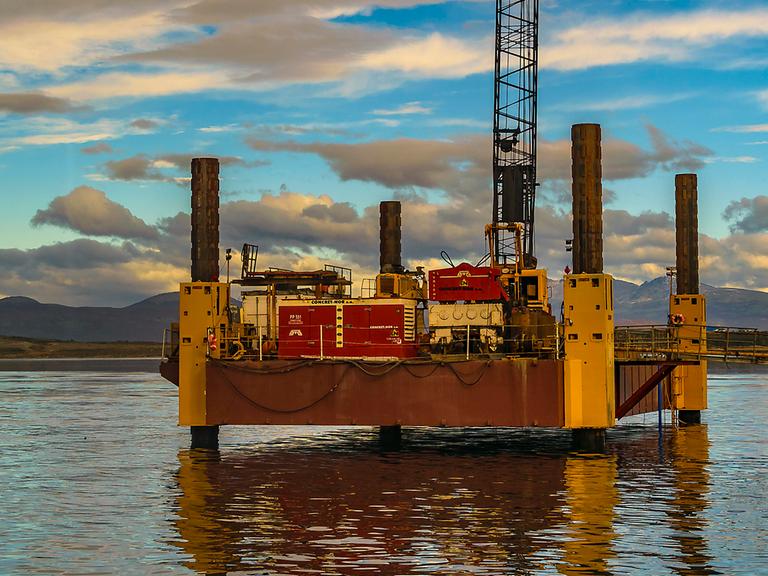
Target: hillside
[
  {"x": 140, "y": 322},
  {"x": 15, "y": 348},
  {"x": 647, "y": 304}
]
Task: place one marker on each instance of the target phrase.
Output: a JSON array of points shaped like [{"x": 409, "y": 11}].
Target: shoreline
[
  {"x": 101, "y": 364},
  {"x": 16, "y": 348}
]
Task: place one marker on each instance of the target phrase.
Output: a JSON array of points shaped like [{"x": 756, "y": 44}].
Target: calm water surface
[{"x": 96, "y": 479}]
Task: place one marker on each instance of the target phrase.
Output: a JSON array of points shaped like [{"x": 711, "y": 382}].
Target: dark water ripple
[{"x": 97, "y": 480}]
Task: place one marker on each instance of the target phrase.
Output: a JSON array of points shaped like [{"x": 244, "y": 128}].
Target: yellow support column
[
  {"x": 688, "y": 316},
  {"x": 589, "y": 376},
  {"x": 202, "y": 311}
]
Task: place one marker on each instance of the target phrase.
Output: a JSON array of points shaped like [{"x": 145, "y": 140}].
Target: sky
[{"x": 320, "y": 109}]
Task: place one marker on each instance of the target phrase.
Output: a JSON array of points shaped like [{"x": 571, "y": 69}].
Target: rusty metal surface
[
  {"x": 205, "y": 220},
  {"x": 389, "y": 237},
  {"x": 474, "y": 393},
  {"x": 587, "y": 175},
  {"x": 630, "y": 377},
  {"x": 658, "y": 377},
  {"x": 687, "y": 233},
  {"x": 170, "y": 371}
]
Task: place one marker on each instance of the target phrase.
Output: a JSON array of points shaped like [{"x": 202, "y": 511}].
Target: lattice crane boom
[{"x": 514, "y": 125}]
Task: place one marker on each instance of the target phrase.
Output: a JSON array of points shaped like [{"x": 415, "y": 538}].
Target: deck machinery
[{"x": 467, "y": 345}]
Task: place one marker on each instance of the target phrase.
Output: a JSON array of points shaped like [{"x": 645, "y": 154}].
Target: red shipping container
[
  {"x": 465, "y": 282},
  {"x": 364, "y": 328}
]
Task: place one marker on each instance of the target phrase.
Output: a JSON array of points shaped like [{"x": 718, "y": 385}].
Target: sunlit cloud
[
  {"x": 140, "y": 85},
  {"x": 403, "y": 110},
  {"x": 627, "y": 102},
  {"x": 437, "y": 56},
  {"x": 745, "y": 129},
  {"x": 645, "y": 37},
  {"x": 49, "y": 45}
]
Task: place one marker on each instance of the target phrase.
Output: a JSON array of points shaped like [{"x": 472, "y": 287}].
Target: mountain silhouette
[{"x": 144, "y": 321}]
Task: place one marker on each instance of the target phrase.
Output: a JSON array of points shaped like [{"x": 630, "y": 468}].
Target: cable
[
  {"x": 388, "y": 367},
  {"x": 435, "y": 366},
  {"x": 483, "y": 260},
  {"x": 462, "y": 378},
  {"x": 284, "y": 370},
  {"x": 289, "y": 410}
]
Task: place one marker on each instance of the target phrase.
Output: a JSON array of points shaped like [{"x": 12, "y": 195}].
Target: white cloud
[
  {"x": 48, "y": 45},
  {"x": 95, "y": 177},
  {"x": 743, "y": 129},
  {"x": 436, "y": 56},
  {"x": 762, "y": 96},
  {"x": 350, "y": 8},
  {"x": 217, "y": 129},
  {"x": 732, "y": 160},
  {"x": 134, "y": 85},
  {"x": 627, "y": 102},
  {"x": 405, "y": 109},
  {"x": 90, "y": 212},
  {"x": 256, "y": 47},
  {"x": 458, "y": 122},
  {"x": 638, "y": 37},
  {"x": 44, "y": 131},
  {"x": 8, "y": 80}
]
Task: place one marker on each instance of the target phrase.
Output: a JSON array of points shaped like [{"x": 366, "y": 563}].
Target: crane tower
[{"x": 514, "y": 126}]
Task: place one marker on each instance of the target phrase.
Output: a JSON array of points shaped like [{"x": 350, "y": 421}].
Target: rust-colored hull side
[
  {"x": 474, "y": 393},
  {"x": 170, "y": 371},
  {"x": 629, "y": 379}
]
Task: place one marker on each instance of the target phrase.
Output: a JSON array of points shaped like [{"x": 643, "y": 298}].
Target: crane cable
[{"x": 462, "y": 378}]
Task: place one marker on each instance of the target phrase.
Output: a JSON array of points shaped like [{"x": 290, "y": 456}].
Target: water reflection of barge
[{"x": 457, "y": 502}]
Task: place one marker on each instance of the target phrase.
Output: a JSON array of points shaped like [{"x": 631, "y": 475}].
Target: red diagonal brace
[{"x": 663, "y": 371}]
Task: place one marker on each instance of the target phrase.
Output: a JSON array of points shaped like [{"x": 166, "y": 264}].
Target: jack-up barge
[{"x": 467, "y": 345}]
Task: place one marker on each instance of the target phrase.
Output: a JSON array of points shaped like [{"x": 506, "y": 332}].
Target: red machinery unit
[
  {"x": 364, "y": 328},
  {"x": 465, "y": 282}
]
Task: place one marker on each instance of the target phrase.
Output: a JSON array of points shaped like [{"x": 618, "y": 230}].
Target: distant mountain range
[
  {"x": 647, "y": 303},
  {"x": 145, "y": 320},
  {"x": 140, "y": 322}
]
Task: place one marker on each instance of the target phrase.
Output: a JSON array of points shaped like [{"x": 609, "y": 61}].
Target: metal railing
[
  {"x": 467, "y": 341},
  {"x": 691, "y": 342},
  {"x": 648, "y": 342}
]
